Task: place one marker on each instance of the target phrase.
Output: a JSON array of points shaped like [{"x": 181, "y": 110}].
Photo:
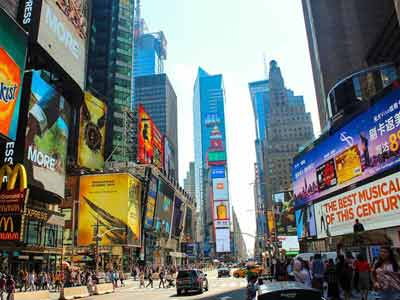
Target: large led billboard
[
  {"x": 92, "y": 133},
  {"x": 113, "y": 201},
  {"x": 218, "y": 172},
  {"x": 222, "y": 240},
  {"x": 305, "y": 222},
  {"x": 177, "y": 217},
  {"x": 368, "y": 145},
  {"x": 46, "y": 137},
  {"x": 375, "y": 204},
  {"x": 63, "y": 33},
  {"x": 13, "y": 45},
  {"x": 151, "y": 203},
  {"x": 285, "y": 220},
  {"x": 221, "y": 214},
  {"x": 220, "y": 189},
  {"x": 165, "y": 196}
]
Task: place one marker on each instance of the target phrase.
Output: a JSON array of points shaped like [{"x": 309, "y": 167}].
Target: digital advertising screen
[
  {"x": 222, "y": 240},
  {"x": 220, "y": 189},
  {"x": 13, "y": 45},
  {"x": 188, "y": 222},
  {"x": 368, "y": 145},
  {"x": 63, "y": 32},
  {"x": 289, "y": 243},
  {"x": 165, "y": 196},
  {"x": 375, "y": 205},
  {"x": 177, "y": 219},
  {"x": 92, "y": 133},
  {"x": 112, "y": 200},
  {"x": 46, "y": 137},
  {"x": 285, "y": 220},
  {"x": 218, "y": 172},
  {"x": 305, "y": 222},
  {"x": 169, "y": 154},
  {"x": 151, "y": 203},
  {"x": 221, "y": 214}
]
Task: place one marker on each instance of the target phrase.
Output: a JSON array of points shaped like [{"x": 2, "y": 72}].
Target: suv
[{"x": 191, "y": 280}]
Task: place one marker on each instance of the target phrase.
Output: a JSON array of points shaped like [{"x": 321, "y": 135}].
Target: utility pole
[{"x": 97, "y": 246}]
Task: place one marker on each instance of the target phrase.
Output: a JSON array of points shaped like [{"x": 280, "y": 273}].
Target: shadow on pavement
[{"x": 237, "y": 294}]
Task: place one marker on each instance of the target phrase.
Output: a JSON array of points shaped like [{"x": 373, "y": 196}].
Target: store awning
[{"x": 177, "y": 254}]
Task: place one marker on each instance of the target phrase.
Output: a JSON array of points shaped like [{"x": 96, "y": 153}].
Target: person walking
[
  {"x": 31, "y": 281},
  {"x": 2, "y": 286},
  {"x": 332, "y": 280},
  {"x": 362, "y": 268},
  {"x": 10, "y": 287},
  {"x": 141, "y": 279},
  {"x": 150, "y": 279},
  {"x": 318, "y": 272},
  {"x": 161, "y": 275},
  {"x": 385, "y": 275},
  {"x": 345, "y": 275},
  {"x": 300, "y": 274}
]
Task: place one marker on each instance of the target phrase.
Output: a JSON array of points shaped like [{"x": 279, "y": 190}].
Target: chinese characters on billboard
[
  {"x": 164, "y": 207},
  {"x": 92, "y": 132},
  {"x": 46, "y": 137},
  {"x": 285, "y": 219},
  {"x": 366, "y": 146},
  {"x": 13, "y": 45},
  {"x": 113, "y": 200}
]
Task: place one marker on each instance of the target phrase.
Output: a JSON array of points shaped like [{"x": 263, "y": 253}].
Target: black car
[
  {"x": 223, "y": 272},
  {"x": 287, "y": 290},
  {"x": 191, "y": 280}
]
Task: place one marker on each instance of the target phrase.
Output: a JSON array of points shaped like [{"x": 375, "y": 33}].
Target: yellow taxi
[{"x": 242, "y": 272}]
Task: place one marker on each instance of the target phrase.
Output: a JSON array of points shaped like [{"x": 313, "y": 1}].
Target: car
[
  {"x": 191, "y": 280},
  {"x": 242, "y": 272},
  {"x": 223, "y": 272},
  {"x": 287, "y": 290}
]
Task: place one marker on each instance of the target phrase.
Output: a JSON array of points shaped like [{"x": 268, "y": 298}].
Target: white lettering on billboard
[
  {"x": 41, "y": 159},
  {"x": 376, "y": 205}
]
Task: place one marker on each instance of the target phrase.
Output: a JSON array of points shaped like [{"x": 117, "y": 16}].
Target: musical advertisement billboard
[
  {"x": 366, "y": 146},
  {"x": 13, "y": 48},
  {"x": 165, "y": 196},
  {"x": 151, "y": 203}
]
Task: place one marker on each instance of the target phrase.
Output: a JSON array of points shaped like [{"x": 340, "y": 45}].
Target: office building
[
  {"x": 110, "y": 72},
  {"x": 189, "y": 182},
  {"x": 211, "y": 170},
  {"x": 345, "y": 37},
  {"x": 158, "y": 98},
  {"x": 239, "y": 250}
]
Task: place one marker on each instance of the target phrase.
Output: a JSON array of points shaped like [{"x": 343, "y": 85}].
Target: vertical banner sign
[
  {"x": 13, "y": 45},
  {"x": 151, "y": 203}
]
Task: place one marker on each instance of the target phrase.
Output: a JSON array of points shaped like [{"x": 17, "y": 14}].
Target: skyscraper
[
  {"x": 110, "y": 71},
  {"x": 211, "y": 170},
  {"x": 158, "y": 98},
  {"x": 189, "y": 184}
]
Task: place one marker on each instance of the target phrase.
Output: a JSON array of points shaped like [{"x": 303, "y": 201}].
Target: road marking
[{"x": 225, "y": 298}]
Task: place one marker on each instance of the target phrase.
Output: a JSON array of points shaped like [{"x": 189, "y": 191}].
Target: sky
[{"x": 232, "y": 38}]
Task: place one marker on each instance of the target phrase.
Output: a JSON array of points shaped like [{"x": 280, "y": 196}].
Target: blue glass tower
[{"x": 150, "y": 53}]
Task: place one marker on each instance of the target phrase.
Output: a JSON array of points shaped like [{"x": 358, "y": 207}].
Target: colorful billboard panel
[
  {"x": 220, "y": 189},
  {"x": 305, "y": 222},
  {"x": 169, "y": 161},
  {"x": 368, "y": 145},
  {"x": 13, "y": 45},
  {"x": 216, "y": 157},
  {"x": 151, "y": 203},
  {"x": 222, "y": 240},
  {"x": 218, "y": 172},
  {"x": 165, "y": 196},
  {"x": 271, "y": 222},
  {"x": 46, "y": 137},
  {"x": 92, "y": 133},
  {"x": 177, "y": 219},
  {"x": 374, "y": 204},
  {"x": 289, "y": 243},
  {"x": 285, "y": 219},
  {"x": 221, "y": 214},
  {"x": 113, "y": 201},
  {"x": 63, "y": 33},
  {"x": 326, "y": 175}
]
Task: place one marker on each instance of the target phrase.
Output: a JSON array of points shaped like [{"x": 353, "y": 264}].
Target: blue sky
[{"x": 231, "y": 37}]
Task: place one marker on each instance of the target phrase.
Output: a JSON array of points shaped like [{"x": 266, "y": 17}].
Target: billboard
[
  {"x": 216, "y": 158},
  {"x": 46, "y": 137},
  {"x": 92, "y": 133},
  {"x": 271, "y": 223},
  {"x": 63, "y": 33},
  {"x": 13, "y": 45},
  {"x": 289, "y": 243},
  {"x": 164, "y": 207},
  {"x": 112, "y": 200},
  {"x": 222, "y": 240},
  {"x": 169, "y": 154},
  {"x": 368, "y": 145},
  {"x": 177, "y": 219},
  {"x": 151, "y": 203},
  {"x": 375, "y": 205},
  {"x": 305, "y": 222},
  {"x": 285, "y": 220},
  {"x": 220, "y": 189},
  {"x": 221, "y": 213},
  {"x": 150, "y": 146},
  {"x": 218, "y": 172}
]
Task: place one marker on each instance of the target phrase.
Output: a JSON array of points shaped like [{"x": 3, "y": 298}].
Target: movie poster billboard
[
  {"x": 305, "y": 222},
  {"x": 92, "y": 133},
  {"x": 165, "y": 196},
  {"x": 220, "y": 189},
  {"x": 46, "y": 137},
  {"x": 285, "y": 220},
  {"x": 368, "y": 145},
  {"x": 112, "y": 200},
  {"x": 13, "y": 45},
  {"x": 222, "y": 240},
  {"x": 374, "y": 204},
  {"x": 63, "y": 33},
  {"x": 151, "y": 203},
  {"x": 177, "y": 218}
]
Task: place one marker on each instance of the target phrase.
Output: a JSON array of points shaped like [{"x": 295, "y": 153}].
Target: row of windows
[{"x": 40, "y": 233}]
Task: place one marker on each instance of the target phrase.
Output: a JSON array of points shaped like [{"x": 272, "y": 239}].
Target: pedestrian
[
  {"x": 2, "y": 286},
  {"x": 150, "y": 279},
  {"x": 31, "y": 281},
  {"x": 251, "y": 291},
  {"x": 301, "y": 274},
  {"x": 345, "y": 275},
  {"x": 57, "y": 281},
  {"x": 121, "y": 278},
  {"x": 10, "y": 287},
  {"x": 363, "y": 270},
  {"x": 332, "y": 280},
  {"x": 141, "y": 279},
  {"x": 318, "y": 272},
  {"x": 385, "y": 275},
  {"x": 161, "y": 275}
]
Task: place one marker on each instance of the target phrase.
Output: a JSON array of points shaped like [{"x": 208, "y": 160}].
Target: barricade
[
  {"x": 76, "y": 292},
  {"x": 36, "y": 295},
  {"x": 103, "y": 288}
]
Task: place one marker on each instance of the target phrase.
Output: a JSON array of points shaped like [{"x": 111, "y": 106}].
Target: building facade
[
  {"x": 211, "y": 170},
  {"x": 110, "y": 74},
  {"x": 158, "y": 98},
  {"x": 189, "y": 182},
  {"x": 239, "y": 251}
]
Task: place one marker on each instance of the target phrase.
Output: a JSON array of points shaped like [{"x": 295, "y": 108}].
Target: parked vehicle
[
  {"x": 191, "y": 280},
  {"x": 242, "y": 272},
  {"x": 287, "y": 290},
  {"x": 223, "y": 272}
]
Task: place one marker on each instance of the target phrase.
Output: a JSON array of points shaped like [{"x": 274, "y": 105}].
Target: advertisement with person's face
[
  {"x": 63, "y": 33},
  {"x": 368, "y": 145},
  {"x": 285, "y": 219},
  {"x": 164, "y": 208},
  {"x": 92, "y": 132},
  {"x": 46, "y": 137},
  {"x": 305, "y": 222},
  {"x": 13, "y": 45}
]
